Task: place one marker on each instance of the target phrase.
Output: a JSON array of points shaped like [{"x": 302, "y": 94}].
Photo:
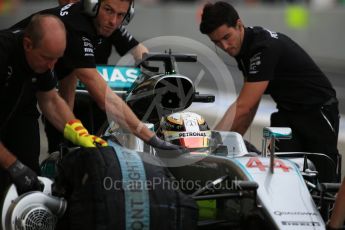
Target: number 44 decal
[{"x": 254, "y": 162}]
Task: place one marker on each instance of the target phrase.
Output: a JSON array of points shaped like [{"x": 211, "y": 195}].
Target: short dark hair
[{"x": 216, "y": 15}]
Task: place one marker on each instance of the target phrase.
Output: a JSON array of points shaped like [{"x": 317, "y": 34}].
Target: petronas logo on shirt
[
  {"x": 254, "y": 63},
  {"x": 88, "y": 47}
]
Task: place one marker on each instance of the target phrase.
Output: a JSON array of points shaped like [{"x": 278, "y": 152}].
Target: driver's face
[{"x": 110, "y": 16}]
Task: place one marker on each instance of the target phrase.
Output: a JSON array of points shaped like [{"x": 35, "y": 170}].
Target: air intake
[{"x": 161, "y": 95}]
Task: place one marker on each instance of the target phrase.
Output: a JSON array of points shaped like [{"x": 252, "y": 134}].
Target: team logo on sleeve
[
  {"x": 64, "y": 10},
  {"x": 88, "y": 47},
  {"x": 9, "y": 71},
  {"x": 272, "y": 33},
  {"x": 254, "y": 63},
  {"x": 125, "y": 33},
  {"x": 9, "y": 74}
]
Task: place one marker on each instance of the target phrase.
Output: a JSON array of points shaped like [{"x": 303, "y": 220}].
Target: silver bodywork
[{"x": 282, "y": 196}]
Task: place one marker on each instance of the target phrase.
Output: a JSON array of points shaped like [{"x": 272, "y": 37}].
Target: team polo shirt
[
  {"x": 18, "y": 82},
  {"x": 121, "y": 39},
  {"x": 295, "y": 81}
]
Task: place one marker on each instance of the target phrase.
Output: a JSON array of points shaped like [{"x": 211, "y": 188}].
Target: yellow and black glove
[{"x": 76, "y": 133}]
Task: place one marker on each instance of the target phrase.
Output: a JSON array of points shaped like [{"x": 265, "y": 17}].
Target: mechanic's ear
[
  {"x": 27, "y": 43},
  {"x": 239, "y": 24}
]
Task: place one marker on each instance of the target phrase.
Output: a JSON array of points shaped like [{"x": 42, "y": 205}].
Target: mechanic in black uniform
[
  {"x": 123, "y": 42},
  {"x": 274, "y": 64},
  {"x": 86, "y": 23},
  {"x": 86, "y": 109},
  {"x": 121, "y": 39},
  {"x": 26, "y": 62}
]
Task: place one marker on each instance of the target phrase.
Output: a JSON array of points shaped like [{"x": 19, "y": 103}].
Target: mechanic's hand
[
  {"x": 166, "y": 149},
  {"x": 251, "y": 148},
  {"x": 156, "y": 142},
  {"x": 24, "y": 178},
  {"x": 76, "y": 133}
]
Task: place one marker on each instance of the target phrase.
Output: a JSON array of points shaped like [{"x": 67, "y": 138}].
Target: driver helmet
[{"x": 185, "y": 129}]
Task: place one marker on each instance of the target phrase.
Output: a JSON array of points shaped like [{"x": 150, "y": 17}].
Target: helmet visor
[{"x": 194, "y": 142}]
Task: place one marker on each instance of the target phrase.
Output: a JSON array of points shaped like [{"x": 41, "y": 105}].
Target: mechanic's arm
[
  {"x": 6, "y": 157},
  {"x": 138, "y": 52},
  {"x": 67, "y": 89},
  {"x": 338, "y": 214},
  {"x": 112, "y": 103},
  {"x": 240, "y": 114},
  {"x": 56, "y": 110},
  {"x": 22, "y": 176}
]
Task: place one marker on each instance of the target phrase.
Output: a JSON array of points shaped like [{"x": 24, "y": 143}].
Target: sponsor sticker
[
  {"x": 118, "y": 78},
  {"x": 286, "y": 213},
  {"x": 300, "y": 223},
  {"x": 169, "y": 135}
]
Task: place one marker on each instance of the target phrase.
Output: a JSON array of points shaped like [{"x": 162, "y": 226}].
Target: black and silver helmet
[{"x": 186, "y": 129}]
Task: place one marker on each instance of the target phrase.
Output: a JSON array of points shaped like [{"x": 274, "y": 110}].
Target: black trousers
[
  {"x": 22, "y": 138},
  {"x": 314, "y": 131}
]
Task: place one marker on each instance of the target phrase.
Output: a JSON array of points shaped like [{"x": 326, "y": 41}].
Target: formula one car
[
  {"x": 233, "y": 187},
  {"x": 236, "y": 188}
]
